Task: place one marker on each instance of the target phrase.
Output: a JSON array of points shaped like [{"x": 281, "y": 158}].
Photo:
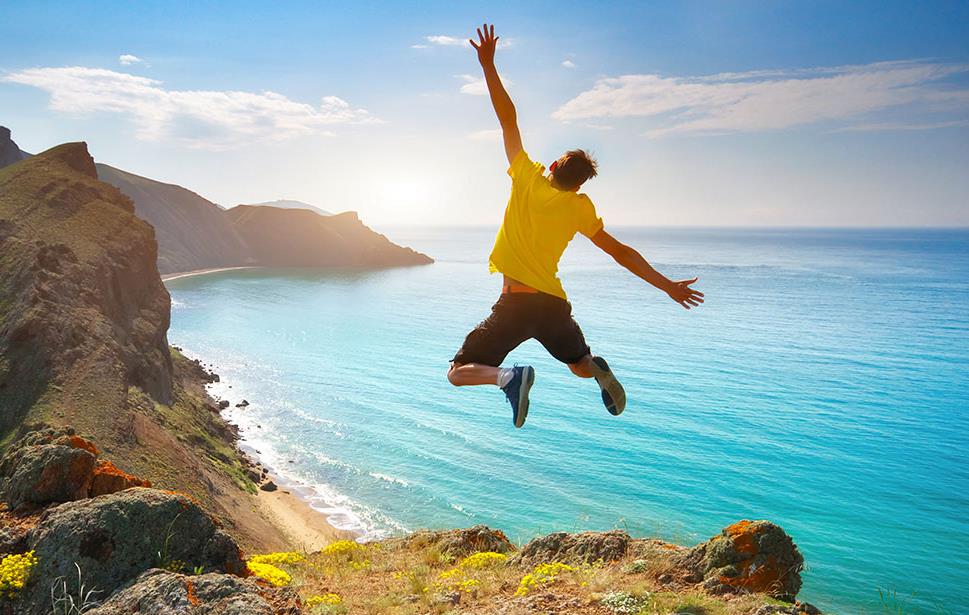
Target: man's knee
[{"x": 452, "y": 373}]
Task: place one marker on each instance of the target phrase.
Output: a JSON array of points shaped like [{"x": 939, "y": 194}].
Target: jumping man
[{"x": 542, "y": 217}]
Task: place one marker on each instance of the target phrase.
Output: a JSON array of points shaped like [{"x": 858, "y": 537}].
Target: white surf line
[{"x": 187, "y": 274}]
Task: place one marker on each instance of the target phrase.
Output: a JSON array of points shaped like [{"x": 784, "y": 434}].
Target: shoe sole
[
  {"x": 613, "y": 395},
  {"x": 528, "y": 378}
]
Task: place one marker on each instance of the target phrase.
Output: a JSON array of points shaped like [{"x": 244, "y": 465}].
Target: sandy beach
[
  {"x": 306, "y": 528},
  {"x": 187, "y": 274}
]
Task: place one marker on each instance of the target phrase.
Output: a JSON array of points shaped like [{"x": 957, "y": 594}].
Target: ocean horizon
[{"x": 821, "y": 387}]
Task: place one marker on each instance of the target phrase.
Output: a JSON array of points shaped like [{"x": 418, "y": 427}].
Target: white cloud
[
  {"x": 444, "y": 40},
  {"x": 441, "y": 39},
  {"x": 568, "y": 63},
  {"x": 486, "y": 135},
  {"x": 197, "y": 118},
  {"x": 126, "y": 59},
  {"x": 771, "y": 100},
  {"x": 476, "y": 86}
]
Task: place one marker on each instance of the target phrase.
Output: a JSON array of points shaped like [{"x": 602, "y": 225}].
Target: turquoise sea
[{"x": 823, "y": 386}]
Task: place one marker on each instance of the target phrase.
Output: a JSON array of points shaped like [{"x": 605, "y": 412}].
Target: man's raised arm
[{"x": 504, "y": 108}]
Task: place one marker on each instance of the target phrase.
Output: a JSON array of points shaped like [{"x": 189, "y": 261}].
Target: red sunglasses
[{"x": 553, "y": 166}]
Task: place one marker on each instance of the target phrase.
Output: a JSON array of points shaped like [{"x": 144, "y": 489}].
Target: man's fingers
[
  {"x": 473, "y": 44},
  {"x": 493, "y": 31},
  {"x": 481, "y": 37}
]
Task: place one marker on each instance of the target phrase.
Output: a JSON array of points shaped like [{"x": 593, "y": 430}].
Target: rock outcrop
[
  {"x": 461, "y": 542},
  {"x": 584, "y": 548},
  {"x": 50, "y": 466},
  {"x": 756, "y": 556},
  {"x": 115, "y": 538},
  {"x": 9, "y": 152},
  {"x": 160, "y": 592}
]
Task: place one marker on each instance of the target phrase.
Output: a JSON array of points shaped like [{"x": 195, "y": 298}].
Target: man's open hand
[
  {"x": 684, "y": 295},
  {"x": 487, "y": 41}
]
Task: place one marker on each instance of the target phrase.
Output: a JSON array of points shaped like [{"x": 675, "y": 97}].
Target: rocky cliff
[
  {"x": 302, "y": 238},
  {"x": 84, "y": 314},
  {"x": 83, "y": 338}
]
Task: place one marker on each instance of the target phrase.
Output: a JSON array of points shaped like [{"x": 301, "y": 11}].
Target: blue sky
[{"x": 739, "y": 113}]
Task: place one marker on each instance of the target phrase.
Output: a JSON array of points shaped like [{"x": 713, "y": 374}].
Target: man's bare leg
[{"x": 469, "y": 374}]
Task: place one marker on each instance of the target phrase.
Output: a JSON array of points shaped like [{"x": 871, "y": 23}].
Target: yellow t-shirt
[{"x": 539, "y": 223}]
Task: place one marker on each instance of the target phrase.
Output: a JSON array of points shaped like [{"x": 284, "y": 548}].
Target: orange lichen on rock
[
  {"x": 190, "y": 593},
  {"x": 747, "y": 556},
  {"x": 79, "y": 442},
  {"x": 108, "y": 478}
]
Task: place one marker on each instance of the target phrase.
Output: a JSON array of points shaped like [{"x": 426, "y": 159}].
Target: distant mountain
[
  {"x": 9, "y": 152},
  {"x": 192, "y": 232},
  {"x": 289, "y": 204},
  {"x": 301, "y": 238}
]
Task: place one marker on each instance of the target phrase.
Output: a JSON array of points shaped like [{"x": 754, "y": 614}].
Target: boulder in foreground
[
  {"x": 116, "y": 537},
  {"x": 160, "y": 592},
  {"x": 584, "y": 548},
  {"x": 756, "y": 556}
]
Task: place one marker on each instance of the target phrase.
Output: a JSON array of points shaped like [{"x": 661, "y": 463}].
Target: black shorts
[{"x": 517, "y": 317}]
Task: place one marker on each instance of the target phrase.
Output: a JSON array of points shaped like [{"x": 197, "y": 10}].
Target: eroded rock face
[
  {"x": 587, "y": 547},
  {"x": 160, "y": 592},
  {"x": 463, "y": 541},
  {"x": 114, "y": 538},
  {"x": 756, "y": 556}
]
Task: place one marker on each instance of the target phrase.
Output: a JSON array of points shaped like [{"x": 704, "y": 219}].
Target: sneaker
[
  {"x": 517, "y": 392},
  {"x": 613, "y": 395}
]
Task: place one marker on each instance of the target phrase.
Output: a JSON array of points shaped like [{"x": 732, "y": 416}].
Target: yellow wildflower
[
  {"x": 342, "y": 547},
  {"x": 327, "y": 599},
  {"x": 14, "y": 573},
  {"x": 270, "y": 573},
  {"x": 542, "y": 574},
  {"x": 484, "y": 559},
  {"x": 276, "y": 559}
]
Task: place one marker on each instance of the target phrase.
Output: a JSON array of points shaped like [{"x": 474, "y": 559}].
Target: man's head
[{"x": 573, "y": 169}]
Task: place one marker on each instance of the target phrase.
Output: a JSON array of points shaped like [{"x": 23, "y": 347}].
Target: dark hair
[{"x": 577, "y": 168}]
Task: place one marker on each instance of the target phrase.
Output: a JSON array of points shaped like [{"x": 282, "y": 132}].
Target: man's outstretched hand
[
  {"x": 487, "y": 41},
  {"x": 684, "y": 295}
]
